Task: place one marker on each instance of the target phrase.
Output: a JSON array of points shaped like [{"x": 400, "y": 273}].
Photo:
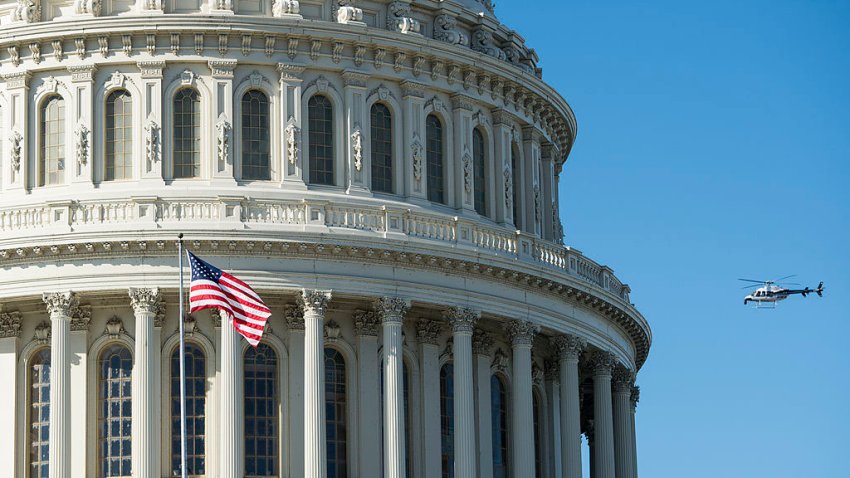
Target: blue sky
[{"x": 714, "y": 143}]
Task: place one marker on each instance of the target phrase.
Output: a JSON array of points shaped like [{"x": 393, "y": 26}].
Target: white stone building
[{"x": 385, "y": 174}]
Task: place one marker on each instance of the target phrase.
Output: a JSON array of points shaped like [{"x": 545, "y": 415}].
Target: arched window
[
  {"x": 517, "y": 185},
  {"x": 119, "y": 136},
  {"x": 262, "y": 422},
  {"x": 499, "y": 420},
  {"x": 114, "y": 411},
  {"x": 335, "y": 414},
  {"x": 382, "y": 148},
  {"x": 51, "y": 168},
  {"x": 39, "y": 413},
  {"x": 538, "y": 445},
  {"x": 256, "y": 136},
  {"x": 187, "y": 133},
  {"x": 447, "y": 420},
  {"x": 434, "y": 158},
  {"x": 320, "y": 117},
  {"x": 479, "y": 172},
  {"x": 196, "y": 381}
]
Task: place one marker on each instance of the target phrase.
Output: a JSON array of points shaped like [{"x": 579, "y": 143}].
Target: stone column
[
  {"x": 622, "y": 390},
  {"x": 521, "y": 334},
  {"x": 462, "y": 154},
  {"x": 482, "y": 345},
  {"x": 77, "y": 378},
  {"x": 414, "y": 169},
  {"x": 146, "y": 304},
  {"x": 150, "y": 168},
  {"x": 569, "y": 349},
  {"x": 366, "y": 329},
  {"x": 602, "y": 364},
  {"x": 60, "y": 306},
  {"x": 463, "y": 323},
  {"x": 10, "y": 334},
  {"x": 553, "y": 422},
  {"x": 392, "y": 311},
  {"x": 635, "y": 398},
  {"x": 230, "y": 411},
  {"x": 356, "y": 161},
  {"x": 427, "y": 333},
  {"x": 224, "y": 170},
  {"x": 295, "y": 322},
  {"x": 293, "y": 151},
  {"x": 315, "y": 452}
]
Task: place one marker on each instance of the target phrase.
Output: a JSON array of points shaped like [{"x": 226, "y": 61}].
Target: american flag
[{"x": 211, "y": 288}]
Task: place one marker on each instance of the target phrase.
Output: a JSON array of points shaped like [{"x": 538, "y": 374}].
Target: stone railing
[{"x": 386, "y": 221}]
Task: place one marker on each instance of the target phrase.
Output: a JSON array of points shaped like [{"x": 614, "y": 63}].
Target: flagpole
[{"x": 182, "y": 365}]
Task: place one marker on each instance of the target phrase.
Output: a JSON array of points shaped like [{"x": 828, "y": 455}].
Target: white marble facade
[{"x": 384, "y": 174}]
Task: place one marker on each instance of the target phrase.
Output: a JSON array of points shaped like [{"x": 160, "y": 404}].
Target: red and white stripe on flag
[{"x": 212, "y": 288}]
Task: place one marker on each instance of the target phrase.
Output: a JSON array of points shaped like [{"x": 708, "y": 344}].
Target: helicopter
[{"x": 769, "y": 292}]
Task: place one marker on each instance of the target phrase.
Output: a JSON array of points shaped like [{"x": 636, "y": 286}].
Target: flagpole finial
[{"x": 180, "y": 236}]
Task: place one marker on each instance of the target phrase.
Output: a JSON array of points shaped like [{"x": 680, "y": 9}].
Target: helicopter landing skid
[{"x": 764, "y": 305}]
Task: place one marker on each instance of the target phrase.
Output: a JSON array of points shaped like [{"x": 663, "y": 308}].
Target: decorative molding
[
  {"x": 153, "y": 70},
  {"x": 223, "y": 132},
  {"x": 482, "y": 41},
  {"x": 445, "y": 30},
  {"x": 500, "y": 362},
  {"x": 222, "y": 69},
  {"x": 42, "y": 333},
  {"x": 467, "y": 170},
  {"x": 332, "y": 331},
  {"x": 509, "y": 190},
  {"x": 16, "y": 141},
  {"x": 152, "y": 142},
  {"x": 116, "y": 80},
  {"x": 81, "y": 144},
  {"x": 357, "y": 147},
  {"x": 417, "y": 153},
  {"x": 26, "y": 11},
  {"x": 114, "y": 327},
  {"x": 399, "y": 19},
  {"x": 291, "y": 134}
]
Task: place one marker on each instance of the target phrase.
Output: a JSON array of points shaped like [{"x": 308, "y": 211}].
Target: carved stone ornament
[
  {"x": 114, "y": 327},
  {"x": 537, "y": 215},
  {"x": 116, "y": 80},
  {"x": 602, "y": 363},
  {"x": 145, "y": 301},
  {"x": 551, "y": 371},
  {"x": 81, "y": 318},
  {"x": 427, "y": 331},
  {"x": 49, "y": 85},
  {"x": 445, "y": 30},
  {"x": 635, "y": 396},
  {"x": 448, "y": 351},
  {"x": 391, "y": 309},
  {"x": 347, "y": 12},
  {"x": 509, "y": 190},
  {"x": 366, "y": 323},
  {"x": 81, "y": 134},
  {"x": 294, "y": 317},
  {"x": 399, "y": 19},
  {"x": 332, "y": 331},
  {"x": 500, "y": 362},
  {"x": 482, "y": 342},
  {"x": 462, "y": 319},
  {"x": 190, "y": 324},
  {"x": 315, "y": 301},
  {"x": 622, "y": 379},
  {"x": 569, "y": 347},
  {"x": 357, "y": 147},
  {"x": 521, "y": 332},
  {"x": 482, "y": 41},
  {"x": 467, "y": 171},
  {"x": 151, "y": 141},
  {"x": 488, "y": 4},
  {"x": 152, "y": 5},
  {"x": 27, "y": 11},
  {"x": 215, "y": 315},
  {"x": 17, "y": 143},
  {"x": 187, "y": 78},
  {"x": 90, "y": 7},
  {"x": 537, "y": 374},
  {"x": 223, "y": 4},
  {"x": 42, "y": 333},
  {"x": 60, "y": 304},
  {"x": 223, "y": 131},
  {"x": 291, "y": 133},
  {"x": 285, "y": 7},
  {"x": 10, "y": 325},
  {"x": 418, "y": 153}
]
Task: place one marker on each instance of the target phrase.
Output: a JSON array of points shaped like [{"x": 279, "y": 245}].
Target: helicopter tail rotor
[{"x": 819, "y": 290}]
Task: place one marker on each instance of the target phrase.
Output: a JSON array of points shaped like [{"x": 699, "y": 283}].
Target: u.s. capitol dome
[{"x": 384, "y": 174}]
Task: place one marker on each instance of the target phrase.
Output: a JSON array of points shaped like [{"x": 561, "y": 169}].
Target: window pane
[
  {"x": 52, "y": 149},
  {"x": 321, "y": 139},
  {"x": 447, "y": 420},
  {"x": 195, "y": 402},
  {"x": 187, "y": 134},
  {"x": 256, "y": 136},
  {"x": 382, "y": 149},
  {"x": 478, "y": 172},
  {"x": 119, "y": 136},
  {"x": 39, "y": 413},
  {"x": 434, "y": 154},
  {"x": 262, "y": 420},
  {"x": 335, "y": 404},
  {"x": 115, "y": 366}
]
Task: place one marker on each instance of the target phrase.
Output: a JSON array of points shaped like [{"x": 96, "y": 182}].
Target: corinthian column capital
[
  {"x": 462, "y": 319},
  {"x": 521, "y": 332},
  {"x": 635, "y": 395},
  {"x": 391, "y": 309},
  {"x": 602, "y": 363},
  {"x": 622, "y": 379},
  {"x": 315, "y": 301},
  {"x": 569, "y": 346},
  {"x": 145, "y": 301},
  {"x": 60, "y": 304}
]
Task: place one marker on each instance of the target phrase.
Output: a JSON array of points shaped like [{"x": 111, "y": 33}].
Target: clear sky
[{"x": 713, "y": 144}]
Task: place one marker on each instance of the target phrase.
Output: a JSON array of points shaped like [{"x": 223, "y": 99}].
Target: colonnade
[{"x": 613, "y": 449}]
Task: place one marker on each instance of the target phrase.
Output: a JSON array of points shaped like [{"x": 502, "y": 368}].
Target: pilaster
[
  {"x": 60, "y": 307},
  {"x": 521, "y": 334},
  {"x": 82, "y": 83},
  {"x": 462, "y": 129},
  {"x": 146, "y": 304},
  {"x": 78, "y": 372},
  {"x": 569, "y": 349},
  {"x": 503, "y": 135},
  {"x": 463, "y": 323},
  {"x": 222, "y": 91},
  {"x": 531, "y": 169},
  {"x": 293, "y": 149},
  {"x": 16, "y": 163},
  {"x": 357, "y": 163},
  {"x": 414, "y": 167},
  {"x": 427, "y": 333},
  {"x": 547, "y": 180},
  {"x": 315, "y": 303},
  {"x": 366, "y": 328},
  {"x": 482, "y": 351},
  {"x": 392, "y": 311},
  {"x": 10, "y": 333},
  {"x": 150, "y": 168}
]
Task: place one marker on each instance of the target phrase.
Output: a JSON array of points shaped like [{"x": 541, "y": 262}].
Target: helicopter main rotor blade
[
  {"x": 751, "y": 286},
  {"x": 756, "y": 281},
  {"x": 786, "y": 277}
]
